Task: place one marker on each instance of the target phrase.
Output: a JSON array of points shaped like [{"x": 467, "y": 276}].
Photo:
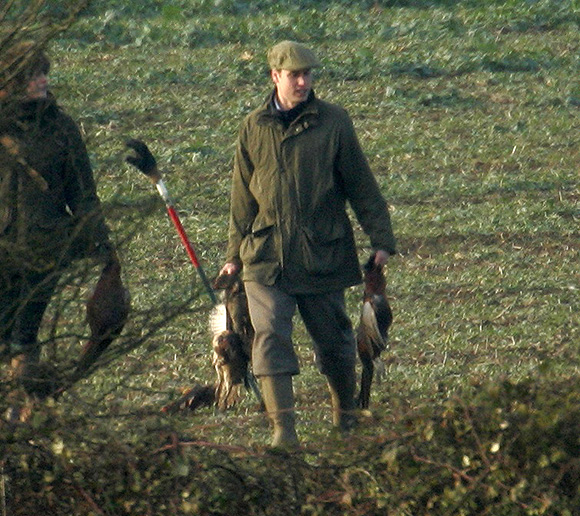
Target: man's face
[
  {"x": 37, "y": 86},
  {"x": 292, "y": 87}
]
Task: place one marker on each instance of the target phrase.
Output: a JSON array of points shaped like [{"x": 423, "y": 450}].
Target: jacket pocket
[
  {"x": 322, "y": 253},
  {"x": 258, "y": 246},
  {"x": 57, "y": 238}
]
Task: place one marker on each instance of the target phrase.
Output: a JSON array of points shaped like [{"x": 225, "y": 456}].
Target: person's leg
[
  {"x": 9, "y": 296},
  {"x": 327, "y": 322},
  {"x": 271, "y": 312},
  {"x": 273, "y": 358},
  {"x": 278, "y": 396},
  {"x": 36, "y": 291}
]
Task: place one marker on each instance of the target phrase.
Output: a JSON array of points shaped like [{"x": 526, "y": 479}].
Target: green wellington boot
[
  {"x": 279, "y": 401},
  {"x": 342, "y": 394}
]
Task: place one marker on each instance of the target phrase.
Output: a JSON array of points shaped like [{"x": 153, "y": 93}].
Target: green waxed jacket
[
  {"x": 289, "y": 225},
  {"x": 49, "y": 209}
]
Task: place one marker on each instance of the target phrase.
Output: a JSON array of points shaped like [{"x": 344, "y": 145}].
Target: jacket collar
[
  {"x": 27, "y": 113},
  {"x": 268, "y": 114}
]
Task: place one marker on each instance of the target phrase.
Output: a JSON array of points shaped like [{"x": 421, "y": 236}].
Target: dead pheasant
[
  {"x": 107, "y": 311},
  {"x": 373, "y": 330},
  {"x": 231, "y": 365},
  {"x": 236, "y": 305},
  {"x": 233, "y": 335}
]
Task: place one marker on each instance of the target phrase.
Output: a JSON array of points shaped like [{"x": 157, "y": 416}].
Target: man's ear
[{"x": 275, "y": 74}]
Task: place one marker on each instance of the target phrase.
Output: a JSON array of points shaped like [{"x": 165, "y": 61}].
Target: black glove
[{"x": 143, "y": 158}]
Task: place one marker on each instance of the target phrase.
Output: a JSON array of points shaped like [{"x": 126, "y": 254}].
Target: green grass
[{"x": 468, "y": 113}]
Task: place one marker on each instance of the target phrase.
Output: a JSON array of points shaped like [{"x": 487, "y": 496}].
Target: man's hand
[{"x": 230, "y": 268}]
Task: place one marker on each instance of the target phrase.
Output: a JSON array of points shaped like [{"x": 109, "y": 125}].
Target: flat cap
[{"x": 291, "y": 55}]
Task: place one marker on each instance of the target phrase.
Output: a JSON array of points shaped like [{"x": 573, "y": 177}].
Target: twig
[
  {"x": 444, "y": 465},
  {"x": 506, "y": 309},
  {"x": 3, "y": 489},
  {"x": 475, "y": 435},
  {"x": 88, "y": 498},
  {"x": 203, "y": 444}
]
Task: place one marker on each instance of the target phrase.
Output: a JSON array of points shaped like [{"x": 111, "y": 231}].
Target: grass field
[{"x": 469, "y": 115}]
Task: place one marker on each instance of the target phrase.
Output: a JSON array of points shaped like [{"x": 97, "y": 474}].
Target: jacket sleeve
[
  {"x": 91, "y": 232},
  {"x": 243, "y": 206},
  {"x": 362, "y": 190}
]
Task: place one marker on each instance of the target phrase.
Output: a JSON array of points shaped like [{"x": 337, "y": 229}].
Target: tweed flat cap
[{"x": 291, "y": 55}]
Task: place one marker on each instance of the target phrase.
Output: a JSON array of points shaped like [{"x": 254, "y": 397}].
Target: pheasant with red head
[{"x": 373, "y": 330}]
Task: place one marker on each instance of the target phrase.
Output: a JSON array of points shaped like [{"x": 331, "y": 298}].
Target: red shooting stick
[{"x": 146, "y": 163}]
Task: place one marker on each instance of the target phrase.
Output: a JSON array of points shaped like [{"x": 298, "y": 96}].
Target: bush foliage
[{"x": 511, "y": 448}]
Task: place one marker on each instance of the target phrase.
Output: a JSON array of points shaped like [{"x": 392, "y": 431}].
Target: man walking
[{"x": 298, "y": 161}]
